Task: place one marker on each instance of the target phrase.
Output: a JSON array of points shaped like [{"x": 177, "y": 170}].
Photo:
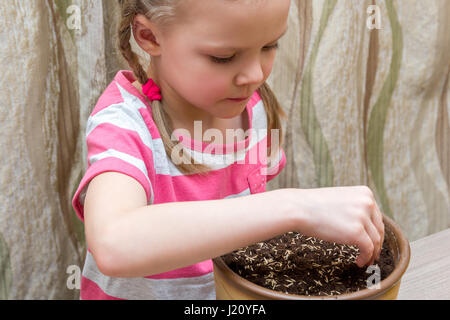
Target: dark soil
[{"x": 296, "y": 264}]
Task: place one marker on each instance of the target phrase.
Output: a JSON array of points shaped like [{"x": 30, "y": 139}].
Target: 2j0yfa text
[{"x": 242, "y": 309}]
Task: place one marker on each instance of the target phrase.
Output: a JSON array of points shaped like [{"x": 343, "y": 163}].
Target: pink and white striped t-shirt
[{"x": 122, "y": 137}]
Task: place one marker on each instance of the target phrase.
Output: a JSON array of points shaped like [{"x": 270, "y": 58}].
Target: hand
[{"x": 345, "y": 215}]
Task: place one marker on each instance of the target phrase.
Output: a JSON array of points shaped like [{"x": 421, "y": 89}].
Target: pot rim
[{"x": 386, "y": 284}]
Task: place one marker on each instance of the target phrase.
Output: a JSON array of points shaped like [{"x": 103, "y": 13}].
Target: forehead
[{"x": 240, "y": 23}]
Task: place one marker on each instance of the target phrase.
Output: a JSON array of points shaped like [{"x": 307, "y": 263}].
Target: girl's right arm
[{"x": 128, "y": 238}]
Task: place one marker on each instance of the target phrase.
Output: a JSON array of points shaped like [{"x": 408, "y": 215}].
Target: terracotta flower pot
[{"x": 231, "y": 286}]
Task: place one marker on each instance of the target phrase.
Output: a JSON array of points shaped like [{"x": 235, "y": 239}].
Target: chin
[
  {"x": 235, "y": 113},
  {"x": 224, "y": 110}
]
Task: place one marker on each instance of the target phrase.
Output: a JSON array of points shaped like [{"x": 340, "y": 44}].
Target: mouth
[{"x": 238, "y": 99}]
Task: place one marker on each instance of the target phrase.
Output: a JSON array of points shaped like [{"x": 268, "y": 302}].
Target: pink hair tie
[{"x": 152, "y": 91}]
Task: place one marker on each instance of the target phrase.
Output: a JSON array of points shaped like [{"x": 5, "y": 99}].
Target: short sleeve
[
  {"x": 276, "y": 167},
  {"x": 118, "y": 140}
]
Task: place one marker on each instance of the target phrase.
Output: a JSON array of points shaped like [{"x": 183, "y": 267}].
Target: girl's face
[{"x": 220, "y": 50}]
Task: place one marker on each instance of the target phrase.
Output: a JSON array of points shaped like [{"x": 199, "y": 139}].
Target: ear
[{"x": 146, "y": 35}]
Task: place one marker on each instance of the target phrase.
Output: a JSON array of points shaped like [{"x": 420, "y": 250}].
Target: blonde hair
[{"x": 163, "y": 12}]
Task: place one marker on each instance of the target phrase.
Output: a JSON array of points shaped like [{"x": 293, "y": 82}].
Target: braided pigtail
[
  {"x": 275, "y": 114},
  {"x": 129, "y": 12}
]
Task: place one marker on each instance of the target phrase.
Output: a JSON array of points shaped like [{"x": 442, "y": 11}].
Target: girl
[{"x": 155, "y": 218}]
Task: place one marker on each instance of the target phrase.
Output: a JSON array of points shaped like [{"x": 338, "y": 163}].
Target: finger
[
  {"x": 365, "y": 246},
  {"x": 379, "y": 224},
  {"x": 375, "y": 238},
  {"x": 375, "y": 229}
]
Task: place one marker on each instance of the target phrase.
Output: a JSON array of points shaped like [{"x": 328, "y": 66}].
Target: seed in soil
[{"x": 296, "y": 264}]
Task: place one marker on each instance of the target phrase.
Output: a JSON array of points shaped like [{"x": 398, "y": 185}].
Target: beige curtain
[
  {"x": 371, "y": 106},
  {"x": 365, "y": 107}
]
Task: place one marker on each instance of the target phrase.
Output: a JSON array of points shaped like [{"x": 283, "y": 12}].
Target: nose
[{"x": 251, "y": 74}]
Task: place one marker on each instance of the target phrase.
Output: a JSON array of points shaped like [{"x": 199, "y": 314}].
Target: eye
[
  {"x": 221, "y": 60},
  {"x": 226, "y": 60},
  {"x": 273, "y": 47}
]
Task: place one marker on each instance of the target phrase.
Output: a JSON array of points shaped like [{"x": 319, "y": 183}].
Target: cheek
[
  {"x": 196, "y": 80},
  {"x": 268, "y": 66},
  {"x": 214, "y": 85}
]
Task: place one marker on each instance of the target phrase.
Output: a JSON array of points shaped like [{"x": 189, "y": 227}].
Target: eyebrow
[{"x": 237, "y": 48}]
